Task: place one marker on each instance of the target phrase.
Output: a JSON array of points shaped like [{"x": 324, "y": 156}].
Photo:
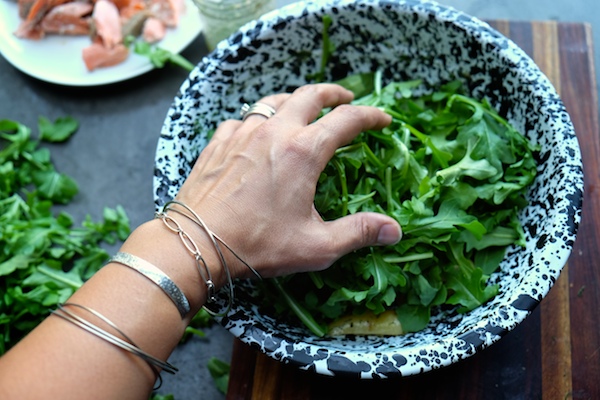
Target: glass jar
[{"x": 220, "y": 18}]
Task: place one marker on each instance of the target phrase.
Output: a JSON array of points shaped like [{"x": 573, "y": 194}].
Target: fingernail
[{"x": 389, "y": 234}]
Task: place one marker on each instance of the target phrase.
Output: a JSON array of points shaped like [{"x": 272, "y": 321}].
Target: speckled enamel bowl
[{"x": 407, "y": 40}]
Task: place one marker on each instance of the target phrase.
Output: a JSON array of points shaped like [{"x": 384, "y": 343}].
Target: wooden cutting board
[{"x": 555, "y": 352}]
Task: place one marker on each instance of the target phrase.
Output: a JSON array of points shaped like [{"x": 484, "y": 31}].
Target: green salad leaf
[
  {"x": 219, "y": 371},
  {"x": 44, "y": 256},
  {"x": 59, "y": 130},
  {"x": 158, "y": 56},
  {"x": 453, "y": 173}
]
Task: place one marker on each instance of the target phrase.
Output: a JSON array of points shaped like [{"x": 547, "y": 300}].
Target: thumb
[{"x": 355, "y": 231}]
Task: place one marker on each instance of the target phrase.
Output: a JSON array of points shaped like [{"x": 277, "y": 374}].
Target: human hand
[{"x": 254, "y": 184}]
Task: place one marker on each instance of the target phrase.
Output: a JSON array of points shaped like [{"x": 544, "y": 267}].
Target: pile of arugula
[
  {"x": 44, "y": 258},
  {"x": 453, "y": 173}
]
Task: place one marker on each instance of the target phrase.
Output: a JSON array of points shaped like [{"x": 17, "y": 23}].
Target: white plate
[{"x": 57, "y": 59}]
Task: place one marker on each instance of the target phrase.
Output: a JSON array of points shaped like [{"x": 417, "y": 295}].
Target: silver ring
[{"x": 256, "y": 108}]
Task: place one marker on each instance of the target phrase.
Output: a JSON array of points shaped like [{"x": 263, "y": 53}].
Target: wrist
[{"x": 168, "y": 251}]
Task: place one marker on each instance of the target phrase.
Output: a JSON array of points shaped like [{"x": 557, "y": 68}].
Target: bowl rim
[{"x": 482, "y": 334}]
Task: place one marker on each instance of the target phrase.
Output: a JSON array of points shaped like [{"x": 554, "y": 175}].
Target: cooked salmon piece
[
  {"x": 107, "y": 23},
  {"x": 154, "y": 30},
  {"x": 121, "y": 3},
  {"x": 29, "y": 27},
  {"x": 29, "y": 31},
  {"x": 68, "y": 19},
  {"x": 168, "y": 11},
  {"x": 24, "y": 6},
  {"x": 132, "y": 8},
  {"x": 98, "y": 56}
]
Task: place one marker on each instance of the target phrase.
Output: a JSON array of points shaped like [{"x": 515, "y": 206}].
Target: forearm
[
  {"x": 255, "y": 184},
  {"x": 74, "y": 359}
]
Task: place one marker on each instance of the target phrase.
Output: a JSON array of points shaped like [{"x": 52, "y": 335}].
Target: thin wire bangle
[
  {"x": 80, "y": 323},
  {"x": 254, "y": 271},
  {"x": 173, "y": 225},
  {"x": 129, "y": 346},
  {"x": 211, "y": 235},
  {"x": 86, "y": 325}
]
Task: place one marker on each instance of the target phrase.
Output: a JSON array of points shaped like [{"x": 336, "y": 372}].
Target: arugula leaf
[
  {"x": 382, "y": 273},
  {"x": 202, "y": 319},
  {"x": 327, "y": 49},
  {"x": 44, "y": 257},
  {"x": 480, "y": 169},
  {"x": 413, "y": 318},
  {"x": 467, "y": 281},
  {"x": 299, "y": 310},
  {"x": 59, "y": 131},
  {"x": 55, "y": 186},
  {"x": 219, "y": 370},
  {"x": 448, "y": 219},
  {"x": 453, "y": 173},
  {"x": 158, "y": 396}
]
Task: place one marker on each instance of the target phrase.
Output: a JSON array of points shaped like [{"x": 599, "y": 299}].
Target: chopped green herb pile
[
  {"x": 44, "y": 258},
  {"x": 453, "y": 173}
]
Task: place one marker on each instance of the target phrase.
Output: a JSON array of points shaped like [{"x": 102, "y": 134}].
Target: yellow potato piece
[{"x": 384, "y": 324}]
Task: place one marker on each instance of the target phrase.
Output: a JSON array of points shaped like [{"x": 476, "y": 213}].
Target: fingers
[
  {"x": 307, "y": 102},
  {"x": 226, "y": 129},
  {"x": 344, "y": 123},
  {"x": 360, "y": 230},
  {"x": 304, "y": 105},
  {"x": 274, "y": 101},
  {"x": 256, "y": 173},
  {"x": 301, "y": 107}
]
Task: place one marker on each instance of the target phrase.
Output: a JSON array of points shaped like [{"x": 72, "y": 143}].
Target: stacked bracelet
[
  {"x": 158, "y": 277},
  {"x": 198, "y": 221},
  {"x": 126, "y": 344},
  {"x": 191, "y": 246}
]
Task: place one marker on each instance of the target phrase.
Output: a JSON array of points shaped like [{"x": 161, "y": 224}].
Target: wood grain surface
[{"x": 555, "y": 352}]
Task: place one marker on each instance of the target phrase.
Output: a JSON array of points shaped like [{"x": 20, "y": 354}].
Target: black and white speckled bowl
[{"x": 407, "y": 39}]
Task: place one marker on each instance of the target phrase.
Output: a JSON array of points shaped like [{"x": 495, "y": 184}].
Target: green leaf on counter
[
  {"x": 158, "y": 396},
  {"x": 219, "y": 370},
  {"x": 44, "y": 256},
  {"x": 202, "y": 319},
  {"x": 59, "y": 131}
]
